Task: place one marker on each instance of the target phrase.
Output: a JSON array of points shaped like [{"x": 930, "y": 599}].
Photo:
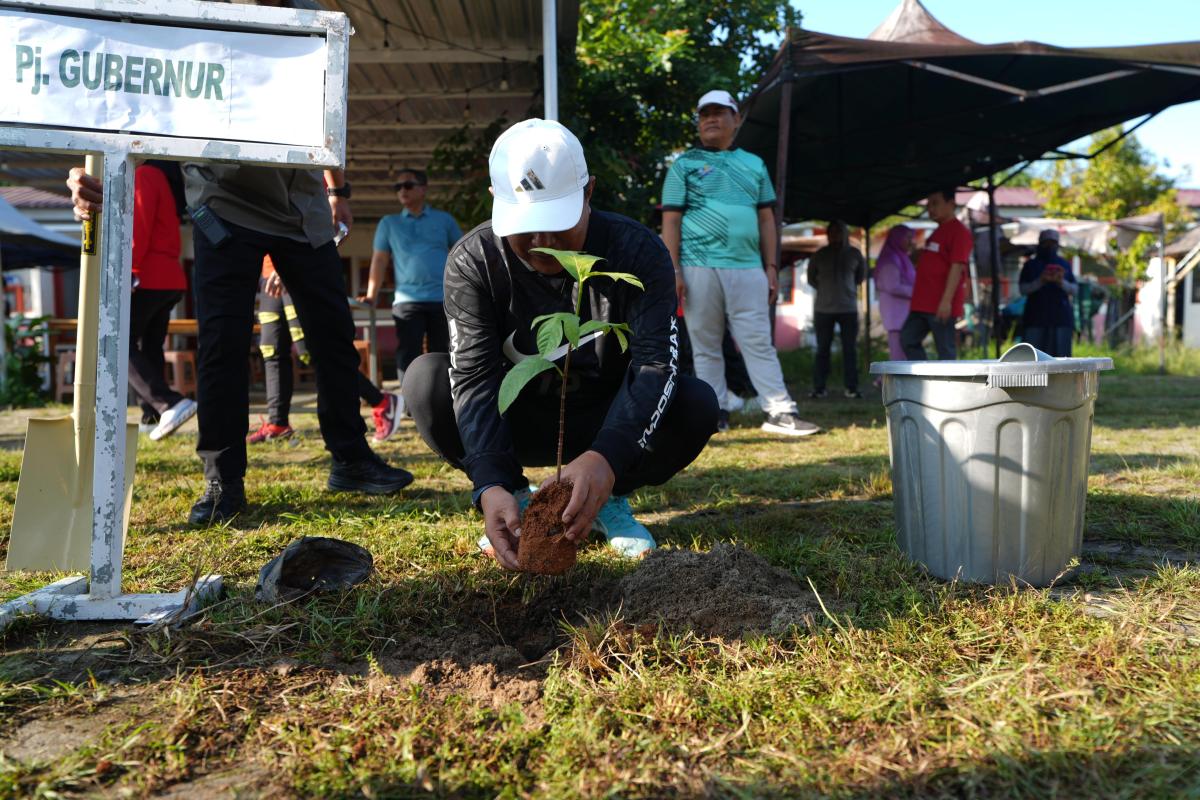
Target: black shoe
[
  {"x": 221, "y": 501},
  {"x": 852, "y": 394},
  {"x": 722, "y": 421},
  {"x": 818, "y": 394},
  {"x": 371, "y": 475}
]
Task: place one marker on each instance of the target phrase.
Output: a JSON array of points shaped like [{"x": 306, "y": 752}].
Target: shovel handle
[{"x": 87, "y": 331}]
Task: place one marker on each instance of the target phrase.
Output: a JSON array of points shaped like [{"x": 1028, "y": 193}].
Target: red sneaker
[
  {"x": 268, "y": 431},
  {"x": 387, "y": 416}
]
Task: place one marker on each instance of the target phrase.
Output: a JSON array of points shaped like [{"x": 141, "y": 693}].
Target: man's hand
[
  {"x": 772, "y": 284},
  {"x": 87, "y": 193},
  {"x": 369, "y": 296},
  {"x": 593, "y": 481},
  {"x": 339, "y": 207},
  {"x": 680, "y": 287},
  {"x": 501, "y": 523},
  {"x": 943, "y": 312},
  {"x": 273, "y": 286}
]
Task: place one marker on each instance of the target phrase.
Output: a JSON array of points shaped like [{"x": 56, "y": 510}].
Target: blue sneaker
[
  {"x": 522, "y": 497},
  {"x": 626, "y": 535}
]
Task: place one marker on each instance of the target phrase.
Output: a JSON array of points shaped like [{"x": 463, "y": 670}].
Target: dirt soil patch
[
  {"x": 727, "y": 592},
  {"x": 472, "y": 665}
]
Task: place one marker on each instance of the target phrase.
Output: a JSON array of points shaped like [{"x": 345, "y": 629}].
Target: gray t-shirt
[
  {"x": 835, "y": 274},
  {"x": 281, "y": 202}
]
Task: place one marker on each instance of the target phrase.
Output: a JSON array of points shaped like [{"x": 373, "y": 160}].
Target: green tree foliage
[
  {"x": 629, "y": 94},
  {"x": 1122, "y": 181},
  {"x": 640, "y": 67}
]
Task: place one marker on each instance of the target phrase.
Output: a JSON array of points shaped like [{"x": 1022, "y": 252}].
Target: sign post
[{"x": 173, "y": 79}]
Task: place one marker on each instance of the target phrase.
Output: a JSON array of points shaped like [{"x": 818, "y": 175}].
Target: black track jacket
[{"x": 492, "y": 298}]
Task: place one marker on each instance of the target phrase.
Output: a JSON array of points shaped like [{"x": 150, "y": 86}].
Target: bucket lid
[{"x": 1021, "y": 365}]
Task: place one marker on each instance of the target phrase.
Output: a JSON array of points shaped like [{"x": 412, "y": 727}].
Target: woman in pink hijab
[{"x": 894, "y": 277}]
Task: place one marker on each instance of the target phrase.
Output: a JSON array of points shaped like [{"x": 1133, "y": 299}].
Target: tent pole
[
  {"x": 1162, "y": 277},
  {"x": 781, "y": 146},
  {"x": 550, "y": 59},
  {"x": 994, "y": 257},
  {"x": 867, "y": 314}
]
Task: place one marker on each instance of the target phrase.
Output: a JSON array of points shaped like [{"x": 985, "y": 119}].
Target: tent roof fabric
[
  {"x": 877, "y": 125},
  {"x": 1184, "y": 244},
  {"x": 911, "y": 22},
  {"x": 25, "y": 243}
]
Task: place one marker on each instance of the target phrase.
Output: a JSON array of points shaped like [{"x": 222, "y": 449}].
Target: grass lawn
[{"x": 445, "y": 675}]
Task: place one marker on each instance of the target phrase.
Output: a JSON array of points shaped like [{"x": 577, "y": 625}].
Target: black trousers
[
  {"x": 149, "y": 313},
  {"x": 847, "y": 323},
  {"x": 225, "y": 282},
  {"x": 413, "y": 322},
  {"x": 682, "y": 433},
  {"x": 279, "y": 330}
]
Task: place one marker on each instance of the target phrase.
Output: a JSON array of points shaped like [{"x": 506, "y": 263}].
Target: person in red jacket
[{"x": 158, "y": 284}]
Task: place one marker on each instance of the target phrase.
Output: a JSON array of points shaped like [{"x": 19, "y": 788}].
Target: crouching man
[{"x": 631, "y": 419}]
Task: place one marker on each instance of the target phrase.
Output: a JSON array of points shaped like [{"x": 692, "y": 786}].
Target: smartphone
[{"x": 342, "y": 233}]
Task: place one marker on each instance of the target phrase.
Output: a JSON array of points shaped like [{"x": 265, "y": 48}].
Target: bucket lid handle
[{"x": 1024, "y": 352}]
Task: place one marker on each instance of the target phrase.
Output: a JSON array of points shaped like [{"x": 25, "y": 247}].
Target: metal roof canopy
[
  {"x": 418, "y": 70},
  {"x": 99, "y": 595},
  {"x": 421, "y": 69},
  {"x": 857, "y": 129}
]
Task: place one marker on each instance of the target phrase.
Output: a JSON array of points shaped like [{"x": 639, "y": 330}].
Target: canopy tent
[
  {"x": 868, "y": 126},
  {"x": 25, "y": 243}
]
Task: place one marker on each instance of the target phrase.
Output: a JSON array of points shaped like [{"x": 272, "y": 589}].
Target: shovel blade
[{"x": 52, "y": 517}]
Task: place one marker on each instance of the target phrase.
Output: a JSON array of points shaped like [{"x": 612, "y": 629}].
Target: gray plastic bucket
[{"x": 990, "y": 462}]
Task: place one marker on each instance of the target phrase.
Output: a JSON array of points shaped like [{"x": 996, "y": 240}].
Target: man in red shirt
[{"x": 937, "y": 298}]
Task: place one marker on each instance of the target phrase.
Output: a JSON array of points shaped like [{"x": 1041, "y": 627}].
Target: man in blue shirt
[
  {"x": 414, "y": 243},
  {"x": 1048, "y": 286}
]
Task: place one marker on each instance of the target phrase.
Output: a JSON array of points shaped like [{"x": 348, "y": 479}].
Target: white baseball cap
[
  {"x": 538, "y": 177},
  {"x": 717, "y": 97}
]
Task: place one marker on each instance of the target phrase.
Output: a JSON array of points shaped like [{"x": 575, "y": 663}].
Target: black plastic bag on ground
[{"x": 313, "y": 564}]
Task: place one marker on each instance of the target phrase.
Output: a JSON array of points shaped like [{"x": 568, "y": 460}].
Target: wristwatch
[{"x": 339, "y": 191}]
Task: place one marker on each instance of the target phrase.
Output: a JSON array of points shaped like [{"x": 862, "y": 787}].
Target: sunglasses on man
[{"x": 408, "y": 185}]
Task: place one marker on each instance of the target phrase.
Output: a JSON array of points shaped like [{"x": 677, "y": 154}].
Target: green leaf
[
  {"x": 594, "y": 325},
  {"x": 549, "y": 336},
  {"x": 567, "y": 323},
  {"x": 617, "y": 329},
  {"x": 517, "y": 377},
  {"x": 571, "y": 327},
  {"x": 621, "y": 276},
  {"x": 579, "y": 265}
]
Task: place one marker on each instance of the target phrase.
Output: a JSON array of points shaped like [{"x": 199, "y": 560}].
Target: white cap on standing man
[{"x": 717, "y": 97}]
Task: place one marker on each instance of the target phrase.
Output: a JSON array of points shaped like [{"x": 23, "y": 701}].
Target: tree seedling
[{"x": 543, "y": 548}]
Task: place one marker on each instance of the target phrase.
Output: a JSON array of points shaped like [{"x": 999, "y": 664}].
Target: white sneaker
[
  {"x": 173, "y": 418},
  {"x": 789, "y": 425}
]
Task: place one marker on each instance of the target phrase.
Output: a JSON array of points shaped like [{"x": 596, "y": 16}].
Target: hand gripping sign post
[{"x": 175, "y": 79}]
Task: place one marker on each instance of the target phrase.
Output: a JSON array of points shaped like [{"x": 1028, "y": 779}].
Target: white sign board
[{"x": 119, "y": 76}]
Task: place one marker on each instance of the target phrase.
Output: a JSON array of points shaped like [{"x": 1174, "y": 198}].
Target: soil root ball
[{"x": 542, "y": 548}]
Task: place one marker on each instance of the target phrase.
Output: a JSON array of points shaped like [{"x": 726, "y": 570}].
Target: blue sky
[{"x": 1174, "y": 135}]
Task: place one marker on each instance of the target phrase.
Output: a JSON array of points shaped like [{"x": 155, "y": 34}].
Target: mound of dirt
[
  {"x": 727, "y": 592},
  {"x": 469, "y": 664}
]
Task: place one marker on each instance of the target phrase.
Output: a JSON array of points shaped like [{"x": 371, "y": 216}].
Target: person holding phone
[{"x": 1049, "y": 284}]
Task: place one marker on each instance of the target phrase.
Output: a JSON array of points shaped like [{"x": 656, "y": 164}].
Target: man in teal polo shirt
[
  {"x": 719, "y": 226},
  {"x": 414, "y": 243}
]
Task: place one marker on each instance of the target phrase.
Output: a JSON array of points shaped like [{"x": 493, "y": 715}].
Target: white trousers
[{"x": 737, "y": 297}]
